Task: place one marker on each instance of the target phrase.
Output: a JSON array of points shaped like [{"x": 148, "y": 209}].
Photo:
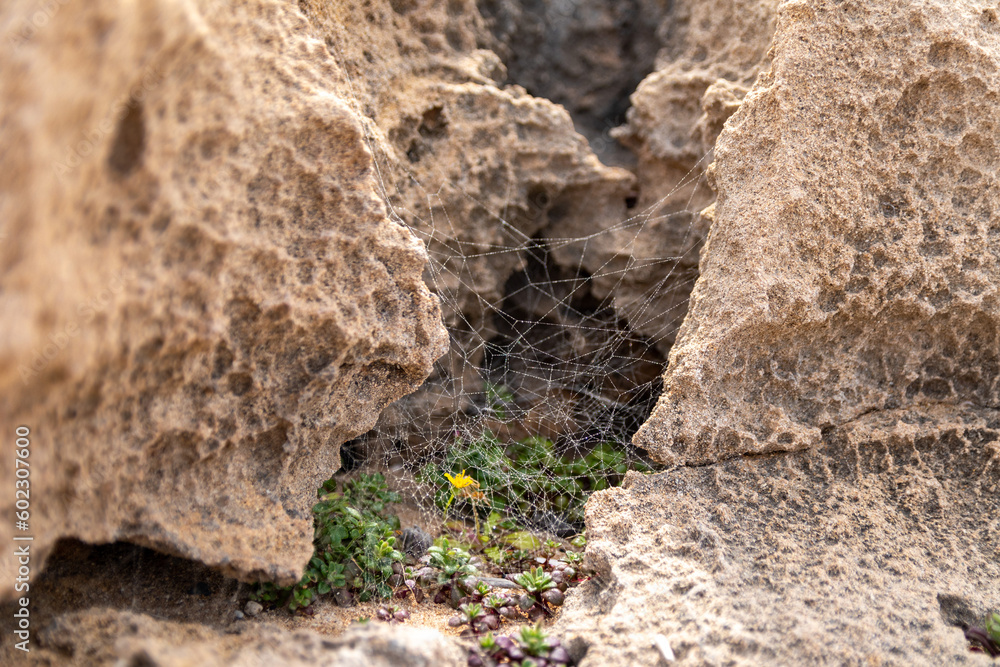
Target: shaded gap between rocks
[{"x": 587, "y": 55}]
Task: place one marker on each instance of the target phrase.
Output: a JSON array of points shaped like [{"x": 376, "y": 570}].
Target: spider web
[
  {"x": 539, "y": 399},
  {"x": 543, "y": 387}
]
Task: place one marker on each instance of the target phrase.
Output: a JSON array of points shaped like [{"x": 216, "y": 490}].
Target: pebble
[
  {"x": 493, "y": 582},
  {"x": 663, "y": 646},
  {"x": 253, "y": 608}
]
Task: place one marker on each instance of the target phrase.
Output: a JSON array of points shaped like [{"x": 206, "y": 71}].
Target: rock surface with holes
[
  {"x": 851, "y": 267},
  {"x": 203, "y": 296},
  {"x": 478, "y": 169},
  {"x": 876, "y": 547},
  {"x": 647, "y": 262},
  {"x": 586, "y": 55},
  {"x": 830, "y": 402}
]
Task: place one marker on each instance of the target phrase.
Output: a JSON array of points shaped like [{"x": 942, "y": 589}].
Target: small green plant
[
  {"x": 450, "y": 561},
  {"x": 473, "y": 615},
  {"x": 988, "y": 637},
  {"x": 501, "y": 605},
  {"x": 452, "y": 570},
  {"x": 531, "y": 646},
  {"x": 355, "y": 546},
  {"x": 534, "y": 581},
  {"x": 535, "y": 641},
  {"x": 523, "y": 478},
  {"x": 993, "y": 626},
  {"x": 540, "y": 592}
]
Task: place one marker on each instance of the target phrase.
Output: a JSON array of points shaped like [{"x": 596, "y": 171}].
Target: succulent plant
[
  {"x": 987, "y": 637},
  {"x": 540, "y": 592},
  {"x": 451, "y": 562},
  {"x": 534, "y": 581},
  {"x": 454, "y": 572},
  {"x": 531, "y": 646},
  {"x": 392, "y": 614}
]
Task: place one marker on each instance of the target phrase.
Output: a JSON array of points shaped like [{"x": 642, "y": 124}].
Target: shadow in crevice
[
  {"x": 79, "y": 576},
  {"x": 587, "y": 55}
]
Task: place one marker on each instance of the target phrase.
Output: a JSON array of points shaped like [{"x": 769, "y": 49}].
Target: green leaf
[
  {"x": 492, "y": 521},
  {"x": 993, "y": 626},
  {"x": 522, "y": 539}
]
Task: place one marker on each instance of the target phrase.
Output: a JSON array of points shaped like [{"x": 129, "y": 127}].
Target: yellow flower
[{"x": 461, "y": 480}]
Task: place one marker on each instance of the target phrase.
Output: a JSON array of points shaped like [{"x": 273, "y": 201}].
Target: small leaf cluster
[
  {"x": 531, "y": 647},
  {"x": 391, "y": 614},
  {"x": 485, "y": 612},
  {"x": 451, "y": 569},
  {"x": 988, "y": 637},
  {"x": 355, "y": 547},
  {"x": 541, "y": 592}
]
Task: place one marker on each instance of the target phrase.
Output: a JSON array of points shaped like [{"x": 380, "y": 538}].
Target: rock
[
  {"x": 834, "y": 287},
  {"x": 204, "y": 294},
  {"x": 554, "y": 596},
  {"x": 829, "y": 402},
  {"x": 587, "y": 55},
  {"x": 103, "y": 636},
  {"x": 343, "y": 597},
  {"x": 646, "y": 263},
  {"x": 253, "y": 608},
  {"x": 855, "y": 552},
  {"x": 477, "y": 169},
  {"x": 415, "y": 542},
  {"x": 494, "y": 582}
]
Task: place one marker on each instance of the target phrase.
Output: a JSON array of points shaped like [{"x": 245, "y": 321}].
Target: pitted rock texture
[
  {"x": 107, "y": 637},
  {"x": 203, "y": 294},
  {"x": 476, "y": 168},
  {"x": 646, "y": 263},
  {"x": 875, "y": 547},
  {"x": 851, "y": 267}
]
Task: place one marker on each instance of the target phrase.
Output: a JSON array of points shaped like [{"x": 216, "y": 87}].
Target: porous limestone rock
[
  {"x": 477, "y": 169},
  {"x": 852, "y": 264},
  {"x": 203, "y": 293},
  {"x": 829, "y": 409},
  {"x": 646, "y": 263},
  {"x": 876, "y": 547},
  {"x": 474, "y": 167}
]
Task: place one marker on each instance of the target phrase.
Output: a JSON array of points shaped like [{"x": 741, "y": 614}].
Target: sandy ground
[{"x": 122, "y": 576}]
